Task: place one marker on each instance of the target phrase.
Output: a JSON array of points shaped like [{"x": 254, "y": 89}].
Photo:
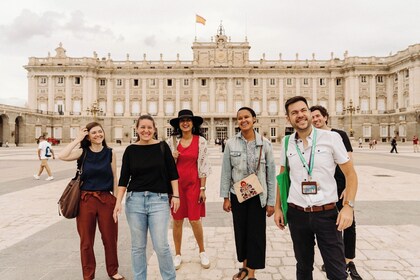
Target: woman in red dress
[{"x": 190, "y": 152}]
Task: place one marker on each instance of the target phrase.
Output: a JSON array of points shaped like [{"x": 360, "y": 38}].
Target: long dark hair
[
  {"x": 145, "y": 117},
  {"x": 196, "y": 130},
  {"x": 85, "y": 142}
]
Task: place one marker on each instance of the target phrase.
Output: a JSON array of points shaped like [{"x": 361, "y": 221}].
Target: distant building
[{"x": 374, "y": 97}]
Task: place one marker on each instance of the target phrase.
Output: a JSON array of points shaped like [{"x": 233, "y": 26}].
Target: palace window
[
  {"x": 77, "y": 80},
  {"x": 363, "y": 79},
  {"x": 136, "y": 82},
  {"x": 255, "y": 82},
  {"x": 152, "y": 82},
  {"x": 102, "y": 82},
  {"x": 322, "y": 81},
  {"x": 203, "y": 82},
  {"x": 238, "y": 82},
  {"x": 305, "y": 81},
  {"x": 43, "y": 80},
  {"x": 289, "y": 81},
  {"x": 338, "y": 81},
  {"x": 380, "y": 79},
  {"x": 272, "y": 82},
  {"x": 169, "y": 82},
  {"x": 60, "y": 80},
  {"x": 119, "y": 82},
  {"x": 273, "y": 132},
  {"x": 186, "y": 82}
]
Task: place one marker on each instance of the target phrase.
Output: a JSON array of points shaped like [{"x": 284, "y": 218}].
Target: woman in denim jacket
[{"x": 240, "y": 159}]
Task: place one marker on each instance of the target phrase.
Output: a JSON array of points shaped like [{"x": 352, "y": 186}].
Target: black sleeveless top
[{"x": 97, "y": 172}]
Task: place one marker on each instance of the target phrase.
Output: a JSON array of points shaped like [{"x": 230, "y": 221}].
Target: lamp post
[
  {"x": 94, "y": 109},
  {"x": 351, "y": 109}
]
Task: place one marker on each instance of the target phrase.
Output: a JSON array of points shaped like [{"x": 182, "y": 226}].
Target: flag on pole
[{"x": 200, "y": 19}]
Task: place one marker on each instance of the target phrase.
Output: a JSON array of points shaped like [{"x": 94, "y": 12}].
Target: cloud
[
  {"x": 150, "y": 41},
  {"x": 29, "y": 25}
]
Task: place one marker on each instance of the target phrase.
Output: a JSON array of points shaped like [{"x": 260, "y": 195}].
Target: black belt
[{"x": 324, "y": 207}]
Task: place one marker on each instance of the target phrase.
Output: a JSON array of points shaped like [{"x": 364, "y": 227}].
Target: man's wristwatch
[
  {"x": 349, "y": 203},
  {"x": 202, "y": 188}
]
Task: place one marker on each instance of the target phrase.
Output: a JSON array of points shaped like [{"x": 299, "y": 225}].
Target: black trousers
[
  {"x": 349, "y": 236},
  {"x": 249, "y": 224},
  {"x": 394, "y": 148},
  {"x": 304, "y": 227}
]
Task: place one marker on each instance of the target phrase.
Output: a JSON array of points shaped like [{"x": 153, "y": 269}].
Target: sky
[{"x": 35, "y": 28}]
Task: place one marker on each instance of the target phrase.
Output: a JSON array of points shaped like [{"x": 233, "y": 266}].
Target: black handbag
[{"x": 68, "y": 204}]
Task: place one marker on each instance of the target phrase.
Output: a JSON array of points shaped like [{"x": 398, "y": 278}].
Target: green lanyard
[{"x": 302, "y": 159}]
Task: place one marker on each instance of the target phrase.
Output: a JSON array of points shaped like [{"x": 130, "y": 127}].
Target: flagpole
[{"x": 195, "y": 28}]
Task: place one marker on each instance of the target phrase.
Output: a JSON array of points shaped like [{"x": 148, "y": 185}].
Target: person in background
[
  {"x": 320, "y": 120},
  {"x": 191, "y": 156},
  {"x": 415, "y": 144},
  {"x": 97, "y": 198},
  {"x": 312, "y": 156},
  {"x": 149, "y": 176},
  {"x": 394, "y": 145},
  {"x": 240, "y": 159},
  {"x": 44, "y": 153}
]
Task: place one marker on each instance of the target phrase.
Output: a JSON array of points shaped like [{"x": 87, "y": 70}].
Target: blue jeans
[{"x": 149, "y": 211}]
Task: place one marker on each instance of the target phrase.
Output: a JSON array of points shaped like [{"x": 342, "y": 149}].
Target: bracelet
[
  {"x": 174, "y": 196},
  {"x": 203, "y": 188}
]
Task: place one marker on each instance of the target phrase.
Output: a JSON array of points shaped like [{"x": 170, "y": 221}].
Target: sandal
[{"x": 238, "y": 276}]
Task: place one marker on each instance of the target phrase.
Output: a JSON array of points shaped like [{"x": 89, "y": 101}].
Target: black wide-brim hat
[{"x": 197, "y": 121}]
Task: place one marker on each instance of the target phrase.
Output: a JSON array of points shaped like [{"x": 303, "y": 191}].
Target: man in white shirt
[
  {"x": 44, "y": 153},
  {"x": 313, "y": 155}
]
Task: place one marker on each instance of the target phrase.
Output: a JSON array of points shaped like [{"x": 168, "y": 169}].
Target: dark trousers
[
  {"x": 394, "y": 148},
  {"x": 249, "y": 224},
  {"x": 349, "y": 236},
  {"x": 97, "y": 208},
  {"x": 304, "y": 227}
]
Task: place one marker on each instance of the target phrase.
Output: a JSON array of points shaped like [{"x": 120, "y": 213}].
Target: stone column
[
  {"x": 50, "y": 94},
  {"x": 177, "y": 95},
  {"x": 143, "y": 96},
  {"x": 389, "y": 92},
  {"x": 372, "y": 92},
  {"x": 297, "y": 86},
  {"x": 195, "y": 95},
  {"x": 355, "y": 87},
  {"x": 68, "y": 95},
  {"x": 247, "y": 93},
  {"x": 212, "y": 88},
  {"x": 401, "y": 89},
  {"x": 109, "y": 97},
  {"x": 281, "y": 97},
  {"x": 32, "y": 92},
  {"x": 85, "y": 100},
  {"x": 230, "y": 108},
  {"x": 127, "y": 109},
  {"x": 264, "y": 111},
  {"x": 314, "y": 91},
  {"x": 414, "y": 86},
  {"x": 331, "y": 96},
  {"x": 160, "y": 103}
]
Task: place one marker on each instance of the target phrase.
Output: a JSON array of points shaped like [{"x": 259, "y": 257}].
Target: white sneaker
[
  {"x": 204, "y": 260},
  {"x": 177, "y": 261},
  {"x": 36, "y": 177},
  {"x": 49, "y": 178}
]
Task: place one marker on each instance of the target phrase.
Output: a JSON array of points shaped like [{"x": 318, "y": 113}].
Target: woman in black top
[
  {"x": 97, "y": 197},
  {"x": 149, "y": 175}
]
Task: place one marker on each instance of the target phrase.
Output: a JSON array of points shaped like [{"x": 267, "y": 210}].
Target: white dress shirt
[{"x": 329, "y": 151}]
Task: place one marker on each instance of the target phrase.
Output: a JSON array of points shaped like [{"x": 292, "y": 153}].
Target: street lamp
[
  {"x": 94, "y": 109},
  {"x": 351, "y": 109}
]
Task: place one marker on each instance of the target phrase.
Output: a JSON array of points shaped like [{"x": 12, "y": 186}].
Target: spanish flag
[{"x": 200, "y": 19}]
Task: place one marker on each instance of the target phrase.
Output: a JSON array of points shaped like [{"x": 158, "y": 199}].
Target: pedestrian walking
[
  {"x": 394, "y": 145},
  {"x": 44, "y": 153},
  {"x": 415, "y": 144}
]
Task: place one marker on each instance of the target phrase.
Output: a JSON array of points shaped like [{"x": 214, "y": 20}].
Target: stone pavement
[{"x": 35, "y": 243}]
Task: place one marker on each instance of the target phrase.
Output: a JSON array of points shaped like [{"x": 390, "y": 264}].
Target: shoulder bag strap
[
  {"x": 259, "y": 159},
  {"x": 286, "y": 143},
  {"x": 80, "y": 163}
]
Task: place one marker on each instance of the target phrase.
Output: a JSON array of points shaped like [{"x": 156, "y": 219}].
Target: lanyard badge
[{"x": 309, "y": 187}]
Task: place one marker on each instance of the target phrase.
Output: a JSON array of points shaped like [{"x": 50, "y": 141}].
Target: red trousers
[{"x": 97, "y": 208}]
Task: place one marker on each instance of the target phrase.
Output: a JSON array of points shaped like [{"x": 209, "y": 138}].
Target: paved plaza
[{"x": 36, "y": 243}]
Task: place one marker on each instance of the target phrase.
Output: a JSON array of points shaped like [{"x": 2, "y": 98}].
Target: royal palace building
[{"x": 369, "y": 97}]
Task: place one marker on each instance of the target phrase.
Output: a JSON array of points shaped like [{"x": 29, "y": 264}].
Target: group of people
[{"x": 159, "y": 179}]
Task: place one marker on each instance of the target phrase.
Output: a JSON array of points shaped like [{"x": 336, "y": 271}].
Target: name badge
[{"x": 309, "y": 187}]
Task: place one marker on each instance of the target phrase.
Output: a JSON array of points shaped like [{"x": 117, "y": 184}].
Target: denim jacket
[{"x": 234, "y": 168}]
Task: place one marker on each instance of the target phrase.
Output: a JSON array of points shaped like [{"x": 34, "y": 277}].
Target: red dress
[{"x": 189, "y": 183}]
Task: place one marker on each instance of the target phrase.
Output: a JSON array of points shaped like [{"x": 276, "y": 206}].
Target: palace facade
[{"x": 369, "y": 97}]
